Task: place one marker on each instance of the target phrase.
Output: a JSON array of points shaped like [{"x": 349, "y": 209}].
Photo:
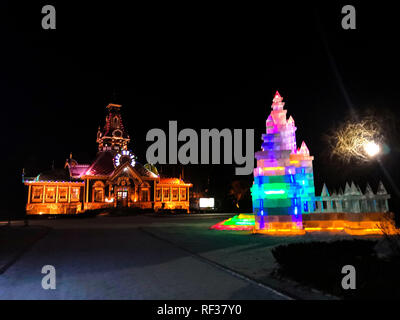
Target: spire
[
  {"x": 277, "y": 97},
  {"x": 277, "y": 102},
  {"x": 347, "y": 189},
  {"x": 381, "y": 189},
  {"x": 113, "y": 136},
  {"x": 354, "y": 191},
  {"x": 324, "y": 192},
  {"x": 368, "y": 191},
  {"x": 303, "y": 149}
]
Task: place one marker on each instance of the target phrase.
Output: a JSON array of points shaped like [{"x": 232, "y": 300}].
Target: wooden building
[{"x": 113, "y": 179}]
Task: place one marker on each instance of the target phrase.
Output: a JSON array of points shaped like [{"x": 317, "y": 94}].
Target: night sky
[{"x": 202, "y": 65}]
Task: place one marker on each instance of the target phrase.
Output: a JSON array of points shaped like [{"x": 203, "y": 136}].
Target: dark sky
[{"x": 202, "y": 65}]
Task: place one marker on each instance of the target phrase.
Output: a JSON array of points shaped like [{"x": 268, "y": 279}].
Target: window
[
  {"x": 74, "y": 194},
  {"x": 166, "y": 194},
  {"x": 98, "y": 194},
  {"x": 175, "y": 194},
  {"x": 158, "y": 194},
  {"x": 116, "y": 122},
  {"x": 145, "y": 195},
  {"x": 63, "y": 194},
  {"x": 50, "y": 194},
  {"x": 183, "y": 194},
  {"x": 121, "y": 195},
  {"x": 37, "y": 193}
]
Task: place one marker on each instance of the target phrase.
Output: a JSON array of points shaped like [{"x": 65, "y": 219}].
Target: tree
[{"x": 151, "y": 168}]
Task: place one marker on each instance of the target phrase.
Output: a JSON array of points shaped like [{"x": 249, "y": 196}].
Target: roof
[
  {"x": 173, "y": 181},
  {"x": 78, "y": 170},
  {"x": 103, "y": 165},
  {"x": 170, "y": 180},
  {"x": 113, "y": 105},
  {"x": 54, "y": 175}
]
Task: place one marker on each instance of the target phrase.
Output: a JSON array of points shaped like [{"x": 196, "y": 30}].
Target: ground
[{"x": 147, "y": 257}]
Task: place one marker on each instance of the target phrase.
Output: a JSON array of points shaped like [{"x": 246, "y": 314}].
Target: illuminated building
[{"x": 113, "y": 179}]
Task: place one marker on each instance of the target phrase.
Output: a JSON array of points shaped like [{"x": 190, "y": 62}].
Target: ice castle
[{"x": 283, "y": 193}]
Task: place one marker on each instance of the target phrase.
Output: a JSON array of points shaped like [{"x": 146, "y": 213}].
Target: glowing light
[
  {"x": 206, "y": 203},
  {"x": 273, "y": 168},
  {"x": 241, "y": 222},
  {"x": 371, "y": 148},
  {"x": 356, "y": 140},
  {"x": 275, "y": 192},
  {"x": 124, "y": 154}
]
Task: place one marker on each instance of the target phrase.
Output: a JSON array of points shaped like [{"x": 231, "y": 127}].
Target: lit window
[
  {"x": 183, "y": 193},
  {"x": 98, "y": 194},
  {"x": 166, "y": 194},
  {"x": 37, "y": 193},
  {"x": 74, "y": 194},
  {"x": 175, "y": 194},
  {"x": 158, "y": 194},
  {"x": 50, "y": 194},
  {"x": 145, "y": 196},
  {"x": 116, "y": 122},
  {"x": 62, "y": 194}
]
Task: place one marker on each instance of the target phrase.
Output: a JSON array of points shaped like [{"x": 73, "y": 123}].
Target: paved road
[{"x": 99, "y": 259}]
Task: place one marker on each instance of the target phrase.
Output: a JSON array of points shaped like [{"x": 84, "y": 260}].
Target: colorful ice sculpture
[
  {"x": 283, "y": 180},
  {"x": 284, "y": 201},
  {"x": 239, "y": 222}
]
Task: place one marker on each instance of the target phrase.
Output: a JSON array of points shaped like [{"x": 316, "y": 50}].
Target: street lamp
[{"x": 371, "y": 148}]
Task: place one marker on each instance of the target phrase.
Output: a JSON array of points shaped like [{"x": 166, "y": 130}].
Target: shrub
[{"x": 319, "y": 265}]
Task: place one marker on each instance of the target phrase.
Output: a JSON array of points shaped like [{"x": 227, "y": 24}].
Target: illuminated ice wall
[{"x": 283, "y": 186}]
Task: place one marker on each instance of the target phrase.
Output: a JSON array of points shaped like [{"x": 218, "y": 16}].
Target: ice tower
[
  {"x": 283, "y": 187},
  {"x": 283, "y": 192}
]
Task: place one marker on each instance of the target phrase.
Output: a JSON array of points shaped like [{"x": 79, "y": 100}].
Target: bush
[{"x": 319, "y": 265}]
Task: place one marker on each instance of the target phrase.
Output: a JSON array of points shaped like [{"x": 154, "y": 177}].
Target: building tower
[
  {"x": 283, "y": 187},
  {"x": 113, "y": 136}
]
